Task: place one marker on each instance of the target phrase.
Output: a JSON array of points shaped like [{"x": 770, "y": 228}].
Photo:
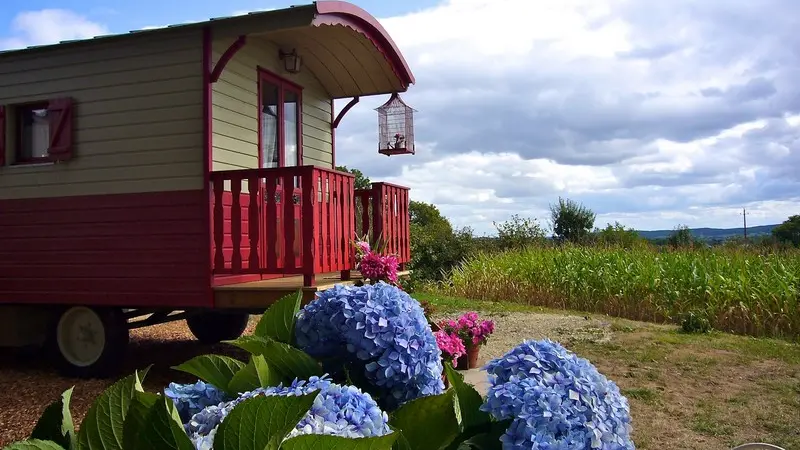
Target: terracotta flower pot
[{"x": 470, "y": 360}]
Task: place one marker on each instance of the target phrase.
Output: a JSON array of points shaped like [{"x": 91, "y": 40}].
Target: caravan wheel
[{"x": 90, "y": 342}]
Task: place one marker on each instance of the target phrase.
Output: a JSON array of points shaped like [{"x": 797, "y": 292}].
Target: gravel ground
[
  {"x": 30, "y": 384},
  {"x": 514, "y": 327}
]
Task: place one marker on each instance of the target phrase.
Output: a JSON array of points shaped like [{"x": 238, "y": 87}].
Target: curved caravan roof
[{"x": 345, "y": 47}]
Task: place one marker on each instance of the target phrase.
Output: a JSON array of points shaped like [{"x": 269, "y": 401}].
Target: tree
[
  {"x": 570, "y": 220},
  {"x": 620, "y": 235},
  {"x": 435, "y": 246},
  {"x": 681, "y": 237},
  {"x": 788, "y": 231},
  {"x": 519, "y": 232},
  {"x": 362, "y": 181},
  {"x": 427, "y": 215}
]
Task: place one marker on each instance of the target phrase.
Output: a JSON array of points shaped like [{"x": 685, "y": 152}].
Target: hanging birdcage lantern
[{"x": 395, "y": 127}]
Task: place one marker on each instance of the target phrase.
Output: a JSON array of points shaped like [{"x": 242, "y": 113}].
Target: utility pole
[{"x": 744, "y": 218}]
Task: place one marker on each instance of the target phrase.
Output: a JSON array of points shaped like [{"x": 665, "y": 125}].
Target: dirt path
[{"x": 514, "y": 327}]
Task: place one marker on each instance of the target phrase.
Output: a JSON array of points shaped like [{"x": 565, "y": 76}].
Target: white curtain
[
  {"x": 269, "y": 136},
  {"x": 40, "y": 134}
]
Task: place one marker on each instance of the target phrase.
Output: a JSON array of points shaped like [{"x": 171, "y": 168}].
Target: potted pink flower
[
  {"x": 452, "y": 349},
  {"x": 374, "y": 266},
  {"x": 473, "y": 332}
]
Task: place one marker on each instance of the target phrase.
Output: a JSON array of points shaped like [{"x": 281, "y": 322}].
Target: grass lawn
[{"x": 711, "y": 391}]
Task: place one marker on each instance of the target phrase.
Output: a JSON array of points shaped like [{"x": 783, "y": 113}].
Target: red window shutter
[
  {"x": 60, "y": 112},
  {"x": 2, "y": 135}
]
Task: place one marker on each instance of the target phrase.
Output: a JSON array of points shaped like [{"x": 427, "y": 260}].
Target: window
[
  {"x": 36, "y": 132},
  {"x": 33, "y": 140},
  {"x": 280, "y": 130}
]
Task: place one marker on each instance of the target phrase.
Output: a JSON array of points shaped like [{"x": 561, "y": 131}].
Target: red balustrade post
[
  {"x": 377, "y": 211},
  {"x": 236, "y": 225},
  {"x": 218, "y": 185},
  {"x": 253, "y": 222},
  {"x": 310, "y": 219}
]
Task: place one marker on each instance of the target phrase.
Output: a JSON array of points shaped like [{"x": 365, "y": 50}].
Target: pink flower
[
  {"x": 362, "y": 246},
  {"x": 377, "y": 267},
  {"x": 451, "y": 345}
]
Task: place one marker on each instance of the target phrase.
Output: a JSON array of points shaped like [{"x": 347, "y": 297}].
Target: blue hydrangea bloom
[
  {"x": 384, "y": 329},
  {"x": 556, "y": 400},
  {"x": 337, "y": 410},
  {"x": 189, "y": 399}
]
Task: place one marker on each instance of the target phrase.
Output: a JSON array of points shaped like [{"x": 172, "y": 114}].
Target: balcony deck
[
  {"x": 298, "y": 223},
  {"x": 261, "y": 294}
]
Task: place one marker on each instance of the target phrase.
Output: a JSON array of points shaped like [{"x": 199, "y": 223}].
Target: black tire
[
  {"x": 113, "y": 346},
  {"x": 211, "y": 327}
]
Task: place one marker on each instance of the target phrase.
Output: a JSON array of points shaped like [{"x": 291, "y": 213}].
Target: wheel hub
[{"x": 81, "y": 336}]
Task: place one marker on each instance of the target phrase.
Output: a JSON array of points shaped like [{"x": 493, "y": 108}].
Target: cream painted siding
[
  {"x": 138, "y": 115},
  {"x": 235, "y": 108}
]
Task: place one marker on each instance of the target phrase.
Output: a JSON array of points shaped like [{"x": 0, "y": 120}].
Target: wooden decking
[{"x": 261, "y": 294}]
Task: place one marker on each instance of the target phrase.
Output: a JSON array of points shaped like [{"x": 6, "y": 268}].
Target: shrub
[
  {"x": 281, "y": 399},
  {"x": 381, "y": 333},
  {"x": 556, "y": 400},
  {"x": 695, "y": 322}
]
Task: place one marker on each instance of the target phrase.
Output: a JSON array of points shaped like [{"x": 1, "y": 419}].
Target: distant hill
[{"x": 713, "y": 233}]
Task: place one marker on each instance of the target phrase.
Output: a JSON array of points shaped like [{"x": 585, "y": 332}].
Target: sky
[{"x": 653, "y": 113}]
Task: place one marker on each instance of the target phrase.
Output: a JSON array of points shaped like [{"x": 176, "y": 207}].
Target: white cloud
[
  {"x": 49, "y": 26},
  {"x": 651, "y": 114}
]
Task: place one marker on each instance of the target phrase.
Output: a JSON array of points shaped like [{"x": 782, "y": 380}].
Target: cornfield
[{"x": 738, "y": 291}]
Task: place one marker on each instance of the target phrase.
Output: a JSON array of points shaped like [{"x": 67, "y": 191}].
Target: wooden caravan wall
[
  {"x": 123, "y": 222},
  {"x": 138, "y": 115},
  {"x": 235, "y": 107}
]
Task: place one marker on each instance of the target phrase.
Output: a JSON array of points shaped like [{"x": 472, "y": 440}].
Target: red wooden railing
[
  {"x": 383, "y": 211},
  {"x": 288, "y": 220}
]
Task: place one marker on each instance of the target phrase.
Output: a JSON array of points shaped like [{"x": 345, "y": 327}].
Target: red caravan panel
[{"x": 136, "y": 250}]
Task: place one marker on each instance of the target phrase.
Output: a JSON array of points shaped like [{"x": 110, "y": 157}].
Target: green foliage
[
  {"x": 279, "y": 320},
  {"x": 285, "y": 359},
  {"x": 256, "y": 374},
  {"x": 275, "y": 416},
  {"x": 162, "y": 428},
  {"x": 737, "y": 290},
  {"x": 102, "y": 428},
  {"x": 321, "y": 442},
  {"x": 570, "y": 220},
  {"x": 435, "y": 246},
  {"x": 788, "y": 231},
  {"x": 436, "y": 412},
  {"x": 127, "y": 417},
  {"x": 695, "y": 322},
  {"x": 618, "y": 235},
  {"x": 34, "y": 444},
  {"x": 214, "y": 369},
  {"x": 518, "y": 232},
  {"x": 469, "y": 400},
  {"x": 136, "y": 422},
  {"x": 55, "y": 424},
  {"x": 362, "y": 181},
  {"x": 682, "y": 237}
]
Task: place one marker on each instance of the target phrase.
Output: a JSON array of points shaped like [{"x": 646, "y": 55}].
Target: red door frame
[{"x": 283, "y": 85}]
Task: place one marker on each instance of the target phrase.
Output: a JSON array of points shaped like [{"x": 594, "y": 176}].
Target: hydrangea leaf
[
  {"x": 136, "y": 420},
  {"x": 34, "y": 444},
  {"x": 322, "y": 442},
  {"x": 469, "y": 400},
  {"x": 262, "y": 422},
  {"x": 279, "y": 320},
  {"x": 216, "y": 370},
  {"x": 162, "y": 429},
  {"x": 257, "y": 373},
  {"x": 102, "y": 427},
  {"x": 56, "y": 424},
  {"x": 419, "y": 417},
  {"x": 288, "y": 361}
]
